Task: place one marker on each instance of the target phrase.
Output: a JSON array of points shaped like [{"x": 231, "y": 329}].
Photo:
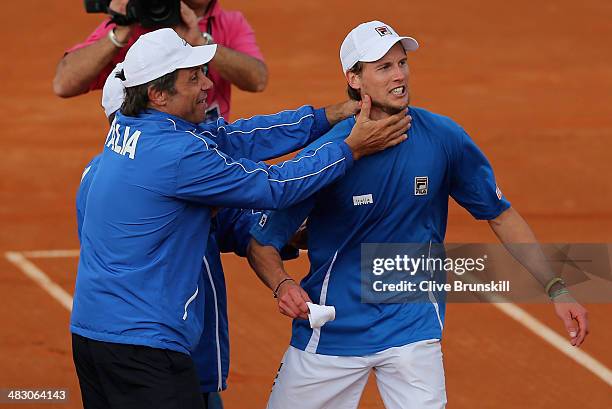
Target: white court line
[
  {"x": 547, "y": 334},
  {"x": 51, "y": 253},
  {"x": 40, "y": 278},
  {"x": 510, "y": 309},
  {"x": 543, "y": 331}
]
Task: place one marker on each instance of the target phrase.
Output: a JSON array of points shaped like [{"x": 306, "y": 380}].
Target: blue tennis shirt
[{"x": 397, "y": 196}]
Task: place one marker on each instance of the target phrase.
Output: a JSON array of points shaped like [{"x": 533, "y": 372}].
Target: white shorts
[{"x": 408, "y": 377}]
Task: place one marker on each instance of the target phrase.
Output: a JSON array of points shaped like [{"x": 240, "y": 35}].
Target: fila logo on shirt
[
  {"x": 421, "y": 184},
  {"x": 383, "y": 31}
]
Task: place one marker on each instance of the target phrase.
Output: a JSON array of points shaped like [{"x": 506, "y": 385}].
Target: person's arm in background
[
  {"x": 236, "y": 62},
  {"x": 246, "y": 72},
  {"x": 511, "y": 229},
  {"x": 82, "y": 67}
]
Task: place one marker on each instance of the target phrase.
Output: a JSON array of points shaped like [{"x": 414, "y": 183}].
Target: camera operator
[{"x": 238, "y": 60}]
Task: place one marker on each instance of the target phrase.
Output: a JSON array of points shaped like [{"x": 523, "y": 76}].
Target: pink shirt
[{"x": 229, "y": 29}]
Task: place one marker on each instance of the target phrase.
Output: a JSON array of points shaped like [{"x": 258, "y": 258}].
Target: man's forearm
[
  {"x": 79, "y": 68},
  {"x": 267, "y": 263},
  {"x": 246, "y": 72},
  {"x": 511, "y": 229},
  {"x": 516, "y": 235}
]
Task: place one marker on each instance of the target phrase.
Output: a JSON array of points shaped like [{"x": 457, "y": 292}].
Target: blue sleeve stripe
[
  {"x": 300, "y": 158},
  {"x": 278, "y": 113},
  {"x": 200, "y": 138},
  {"x": 258, "y": 129},
  {"x": 239, "y": 164},
  {"x": 310, "y": 174}
]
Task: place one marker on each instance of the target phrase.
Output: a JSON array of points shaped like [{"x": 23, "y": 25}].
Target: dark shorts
[
  {"x": 212, "y": 400},
  {"x": 121, "y": 376}
]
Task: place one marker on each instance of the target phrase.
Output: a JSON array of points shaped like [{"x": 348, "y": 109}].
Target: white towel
[{"x": 320, "y": 314}]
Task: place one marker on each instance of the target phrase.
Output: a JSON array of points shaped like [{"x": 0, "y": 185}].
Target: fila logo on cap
[
  {"x": 421, "y": 183},
  {"x": 383, "y": 31}
]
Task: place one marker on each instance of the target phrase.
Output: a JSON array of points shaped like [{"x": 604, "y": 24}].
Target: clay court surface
[{"x": 530, "y": 81}]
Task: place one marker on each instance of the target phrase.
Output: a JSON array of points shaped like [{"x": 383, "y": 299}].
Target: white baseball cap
[
  {"x": 370, "y": 42},
  {"x": 160, "y": 52},
  {"x": 113, "y": 92}
]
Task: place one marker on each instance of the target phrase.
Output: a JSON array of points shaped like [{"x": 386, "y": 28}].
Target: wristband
[
  {"x": 553, "y": 282},
  {"x": 559, "y": 292},
  {"x": 281, "y": 283},
  {"x": 113, "y": 38}
]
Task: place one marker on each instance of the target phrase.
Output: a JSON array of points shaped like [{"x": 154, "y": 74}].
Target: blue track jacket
[
  {"x": 147, "y": 220},
  {"x": 229, "y": 233}
]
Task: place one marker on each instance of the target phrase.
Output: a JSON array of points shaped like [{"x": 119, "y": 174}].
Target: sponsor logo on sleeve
[
  {"x": 363, "y": 200},
  {"x": 498, "y": 192},
  {"x": 263, "y": 220}
]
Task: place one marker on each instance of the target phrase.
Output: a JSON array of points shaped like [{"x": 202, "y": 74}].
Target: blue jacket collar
[{"x": 179, "y": 124}]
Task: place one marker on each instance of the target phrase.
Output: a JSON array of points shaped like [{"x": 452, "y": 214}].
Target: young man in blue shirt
[
  {"x": 138, "y": 300},
  {"x": 397, "y": 196}
]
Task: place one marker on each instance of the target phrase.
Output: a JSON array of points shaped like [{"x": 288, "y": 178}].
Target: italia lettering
[{"x": 122, "y": 144}]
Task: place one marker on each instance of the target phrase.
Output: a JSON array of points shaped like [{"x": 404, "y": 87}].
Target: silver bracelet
[
  {"x": 113, "y": 38},
  {"x": 208, "y": 38}
]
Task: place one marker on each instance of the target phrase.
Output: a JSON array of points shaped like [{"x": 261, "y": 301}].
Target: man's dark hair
[
  {"x": 137, "y": 97},
  {"x": 353, "y": 93}
]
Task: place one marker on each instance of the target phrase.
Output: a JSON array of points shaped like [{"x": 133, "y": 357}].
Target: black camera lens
[
  {"x": 96, "y": 6},
  {"x": 159, "y": 10}
]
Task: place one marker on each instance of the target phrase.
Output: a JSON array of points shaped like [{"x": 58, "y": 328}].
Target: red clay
[{"x": 528, "y": 80}]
